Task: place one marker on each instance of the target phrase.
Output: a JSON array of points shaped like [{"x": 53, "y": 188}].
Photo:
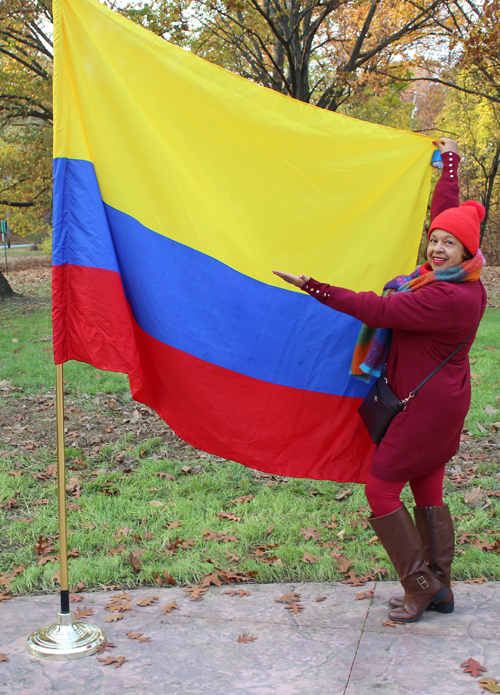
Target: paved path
[{"x": 334, "y": 647}]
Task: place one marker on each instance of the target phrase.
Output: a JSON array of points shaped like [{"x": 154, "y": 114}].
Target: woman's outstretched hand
[
  {"x": 446, "y": 145},
  {"x": 292, "y": 279}
]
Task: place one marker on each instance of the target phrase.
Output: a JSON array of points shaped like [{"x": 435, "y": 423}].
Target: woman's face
[{"x": 444, "y": 250}]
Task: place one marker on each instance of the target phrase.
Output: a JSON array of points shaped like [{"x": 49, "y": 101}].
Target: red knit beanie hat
[{"x": 463, "y": 222}]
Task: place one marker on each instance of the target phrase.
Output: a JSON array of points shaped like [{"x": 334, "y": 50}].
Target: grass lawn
[{"x": 134, "y": 487}]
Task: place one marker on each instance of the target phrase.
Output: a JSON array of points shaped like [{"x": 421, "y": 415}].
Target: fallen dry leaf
[
  {"x": 291, "y": 597},
  {"x": 353, "y": 580},
  {"x": 44, "y": 545},
  {"x": 360, "y": 520},
  {"x": 489, "y": 684},
  {"x": 194, "y": 591},
  {"x": 243, "y": 499},
  {"x": 229, "y": 517},
  {"x": 309, "y": 558},
  {"x": 48, "y": 558},
  {"x": 484, "y": 545},
  {"x": 74, "y": 598},
  {"x": 119, "y": 603},
  {"x": 117, "y": 660},
  {"x": 165, "y": 579},
  {"x": 147, "y": 601},
  {"x": 173, "y": 524},
  {"x": 227, "y": 538},
  {"x": 134, "y": 561},
  {"x": 72, "y": 484},
  {"x": 106, "y": 647},
  {"x": 310, "y": 533},
  {"x": 174, "y": 543},
  {"x": 113, "y": 618},
  {"x": 473, "y": 667},
  {"x": 320, "y": 598},
  {"x": 344, "y": 493},
  {"x": 364, "y": 594},
  {"x": 3, "y": 657},
  {"x": 269, "y": 530},
  {"x": 138, "y": 636},
  {"x": 380, "y": 570},
  {"x": 341, "y": 562},
  {"x": 295, "y": 608},
  {"x": 83, "y": 612},
  {"x": 170, "y": 607},
  {"x": 472, "y": 496},
  {"x": 333, "y": 524},
  {"x": 476, "y": 580},
  {"x": 161, "y": 474},
  {"x": 244, "y": 638},
  {"x": 236, "y": 592},
  {"x": 7, "y": 579},
  {"x": 391, "y": 623}
]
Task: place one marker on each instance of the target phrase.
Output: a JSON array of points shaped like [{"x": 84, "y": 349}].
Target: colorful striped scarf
[{"x": 373, "y": 344}]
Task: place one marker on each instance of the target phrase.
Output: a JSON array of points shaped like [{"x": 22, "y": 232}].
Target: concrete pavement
[{"x": 336, "y": 646}]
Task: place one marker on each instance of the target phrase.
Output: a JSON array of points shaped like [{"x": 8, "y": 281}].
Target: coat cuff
[
  {"x": 318, "y": 290},
  {"x": 451, "y": 160}
]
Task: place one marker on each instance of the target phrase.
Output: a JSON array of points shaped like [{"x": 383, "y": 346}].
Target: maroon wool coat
[{"x": 427, "y": 326}]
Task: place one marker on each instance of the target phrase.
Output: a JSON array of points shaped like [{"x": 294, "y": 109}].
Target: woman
[{"x": 431, "y": 312}]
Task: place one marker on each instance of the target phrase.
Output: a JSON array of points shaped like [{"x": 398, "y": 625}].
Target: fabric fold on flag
[{"x": 178, "y": 187}]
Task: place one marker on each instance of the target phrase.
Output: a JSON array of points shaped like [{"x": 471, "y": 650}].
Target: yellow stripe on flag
[{"x": 239, "y": 172}]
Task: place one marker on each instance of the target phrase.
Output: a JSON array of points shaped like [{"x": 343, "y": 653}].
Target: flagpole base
[{"x": 65, "y": 640}]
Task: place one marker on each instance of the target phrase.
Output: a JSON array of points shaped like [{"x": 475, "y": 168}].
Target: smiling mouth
[{"x": 439, "y": 259}]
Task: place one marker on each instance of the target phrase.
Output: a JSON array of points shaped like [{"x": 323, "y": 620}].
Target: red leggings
[{"x": 383, "y": 497}]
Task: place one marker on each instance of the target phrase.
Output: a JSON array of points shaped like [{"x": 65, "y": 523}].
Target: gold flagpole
[
  {"x": 61, "y": 489},
  {"x": 64, "y": 639}
]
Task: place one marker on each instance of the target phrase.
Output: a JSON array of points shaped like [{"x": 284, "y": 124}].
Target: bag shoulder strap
[{"x": 416, "y": 390}]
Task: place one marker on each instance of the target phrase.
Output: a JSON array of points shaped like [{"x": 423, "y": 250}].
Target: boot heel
[
  {"x": 443, "y": 607},
  {"x": 439, "y": 597}
]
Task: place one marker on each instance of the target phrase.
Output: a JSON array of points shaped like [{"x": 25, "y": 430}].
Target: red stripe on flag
[
  {"x": 276, "y": 429},
  {"x": 91, "y": 319}
]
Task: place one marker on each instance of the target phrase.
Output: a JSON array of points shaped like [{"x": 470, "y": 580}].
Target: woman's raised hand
[
  {"x": 292, "y": 279},
  {"x": 446, "y": 145}
]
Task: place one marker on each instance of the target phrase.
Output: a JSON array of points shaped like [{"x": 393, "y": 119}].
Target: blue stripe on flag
[{"x": 195, "y": 303}]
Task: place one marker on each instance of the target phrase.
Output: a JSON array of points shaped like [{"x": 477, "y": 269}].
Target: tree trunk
[
  {"x": 490, "y": 182},
  {"x": 6, "y": 290}
]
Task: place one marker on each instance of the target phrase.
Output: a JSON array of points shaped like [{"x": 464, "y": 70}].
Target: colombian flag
[{"x": 178, "y": 187}]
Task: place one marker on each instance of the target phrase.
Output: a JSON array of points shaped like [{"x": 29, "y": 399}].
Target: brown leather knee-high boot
[
  {"x": 437, "y": 535},
  {"x": 400, "y": 537}
]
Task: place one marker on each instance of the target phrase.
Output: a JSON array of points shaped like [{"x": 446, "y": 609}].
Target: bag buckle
[{"x": 405, "y": 401}]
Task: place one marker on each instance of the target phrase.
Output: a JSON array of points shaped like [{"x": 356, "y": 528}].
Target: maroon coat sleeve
[
  {"x": 431, "y": 309},
  {"x": 446, "y": 193}
]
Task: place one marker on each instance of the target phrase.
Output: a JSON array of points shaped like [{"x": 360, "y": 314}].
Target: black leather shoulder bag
[{"x": 381, "y": 405}]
